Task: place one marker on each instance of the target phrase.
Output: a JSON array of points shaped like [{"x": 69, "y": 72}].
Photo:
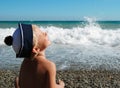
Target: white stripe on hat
[{"x": 22, "y": 39}]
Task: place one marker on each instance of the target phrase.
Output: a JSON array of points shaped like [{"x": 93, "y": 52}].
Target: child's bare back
[{"x": 36, "y": 73}]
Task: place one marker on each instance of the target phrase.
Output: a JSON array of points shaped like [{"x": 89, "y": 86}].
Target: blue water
[
  {"x": 62, "y": 24},
  {"x": 85, "y": 44}
]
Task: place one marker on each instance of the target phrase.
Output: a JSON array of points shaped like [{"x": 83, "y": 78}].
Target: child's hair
[
  {"x": 35, "y": 36},
  {"x": 35, "y": 39}
]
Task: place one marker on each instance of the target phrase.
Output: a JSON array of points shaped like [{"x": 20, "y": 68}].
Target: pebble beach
[{"x": 72, "y": 78}]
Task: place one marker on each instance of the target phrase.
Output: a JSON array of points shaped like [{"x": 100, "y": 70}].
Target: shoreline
[{"x": 72, "y": 78}]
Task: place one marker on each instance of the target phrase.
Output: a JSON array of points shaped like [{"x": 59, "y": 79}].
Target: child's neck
[{"x": 42, "y": 53}]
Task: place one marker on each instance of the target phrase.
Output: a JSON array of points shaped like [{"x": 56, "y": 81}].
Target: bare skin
[{"x": 38, "y": 72}]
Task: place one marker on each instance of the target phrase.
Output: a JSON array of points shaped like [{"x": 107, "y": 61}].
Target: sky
[{"x": 37, "y": 10}]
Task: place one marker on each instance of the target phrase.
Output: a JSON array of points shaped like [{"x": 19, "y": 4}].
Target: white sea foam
[
  {"x": 91, "y": 34},
  {"x": 99, "y": 48}
]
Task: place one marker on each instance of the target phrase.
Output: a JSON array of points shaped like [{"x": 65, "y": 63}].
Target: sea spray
[{"x": 79, "y": 47}]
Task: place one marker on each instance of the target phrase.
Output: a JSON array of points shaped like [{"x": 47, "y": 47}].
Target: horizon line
[{"x": 49, "y": 20}]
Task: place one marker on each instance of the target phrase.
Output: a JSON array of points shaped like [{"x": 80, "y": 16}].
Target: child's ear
[{"x": 35, "y": 50}]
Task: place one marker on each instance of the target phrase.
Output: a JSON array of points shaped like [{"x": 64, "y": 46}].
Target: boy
[{"x": 36, "y": 71}]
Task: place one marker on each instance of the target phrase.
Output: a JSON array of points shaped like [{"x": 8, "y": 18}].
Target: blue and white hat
[{"x": 22, "y": 42}]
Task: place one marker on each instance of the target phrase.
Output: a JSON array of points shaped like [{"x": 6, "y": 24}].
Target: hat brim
[{"x": 26, "y": 35}]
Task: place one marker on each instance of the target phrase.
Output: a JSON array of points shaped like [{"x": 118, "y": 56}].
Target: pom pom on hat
[{"x": 8, "y": 40}]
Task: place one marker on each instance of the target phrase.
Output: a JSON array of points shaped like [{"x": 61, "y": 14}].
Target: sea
[{"x": 87, "y": 44}]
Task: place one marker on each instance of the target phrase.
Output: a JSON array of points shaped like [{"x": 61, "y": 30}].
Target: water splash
[
  {"x": 91, "y": 34},
  {"x": 77, "y": 47}
]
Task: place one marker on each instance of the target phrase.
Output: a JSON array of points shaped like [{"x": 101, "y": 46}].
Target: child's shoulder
[
  {"x": 50, "y": 65},
  {"x": 51, "y": 68},
  {"x": 47, "y": 64}
]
